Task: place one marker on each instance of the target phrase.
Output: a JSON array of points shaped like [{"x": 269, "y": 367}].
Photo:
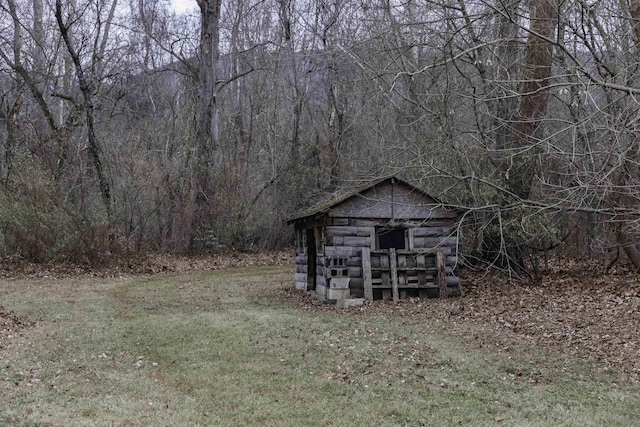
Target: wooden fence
[{"x": 396, "y": 270}]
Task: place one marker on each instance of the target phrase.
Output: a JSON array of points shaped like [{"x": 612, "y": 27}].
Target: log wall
[
  {"x": 352, "y": 235},
  {"x": 346, "y": 226}
]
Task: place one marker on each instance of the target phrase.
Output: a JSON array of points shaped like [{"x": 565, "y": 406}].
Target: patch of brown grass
[
  {"x": 141, "y": 264},
  {"x": 11, "y": 326}
]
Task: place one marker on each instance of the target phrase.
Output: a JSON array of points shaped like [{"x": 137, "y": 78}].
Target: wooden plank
[
  {"x": 341, "y": 231},
  {"x": 441, "y": 277},
  {"x": 402, "y": 261},
  {"x": 375, "y": 260},
  {"x": 360, "y": 222},
  {"x": 420, "y": 263},
  {"x": 432, "y": 242},
  {"x": 448, "y": 241},
  {"x": 384, "y": 261},
  {"x": 419, "y": 242},
  {"x": 366, "y": 274},
  {"x": 394, "y": 274},
  {"x": 430, "y": 231},
  {"x": 339, "y": 221},
  {"x": 410, "y": 239},
  {"x": 364, "y": 231},
  {"x": 429, "y": 285},
  {"x": 354, "y": 241},
  {"x": 338, "y": 251},
  {"x": 411, "y": 261},
  {"x": 411, "y": 279},
  {"x": 386, "y": 278},
  {"x": 402, "y": 279},
  {"x": 372, "y": 237}
]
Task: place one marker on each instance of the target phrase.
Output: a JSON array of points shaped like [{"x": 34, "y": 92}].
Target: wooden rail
[{"x": 395, "y": 270}]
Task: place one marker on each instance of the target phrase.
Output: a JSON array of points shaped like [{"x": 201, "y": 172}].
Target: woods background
[{"x": 125, "y": 127}]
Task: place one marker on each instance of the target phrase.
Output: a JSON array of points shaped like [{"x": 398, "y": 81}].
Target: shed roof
[{"x": 330, "y": 202}]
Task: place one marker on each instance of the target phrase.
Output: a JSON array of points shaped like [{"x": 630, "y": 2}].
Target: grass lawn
[{"x": 232, "y": 348}]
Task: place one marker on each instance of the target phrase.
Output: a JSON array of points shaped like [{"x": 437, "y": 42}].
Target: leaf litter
[{"x": 572, "y": 309}]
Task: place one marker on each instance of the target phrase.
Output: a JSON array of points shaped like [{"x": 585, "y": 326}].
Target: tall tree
[
  {"x": 207, "y": 124},
  {"x": 533, "y": 94},
  {"x": 86, "y": 83}
]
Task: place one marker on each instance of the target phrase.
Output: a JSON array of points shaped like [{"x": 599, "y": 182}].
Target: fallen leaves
[
  {"x": 10, "y": 326},
  {"x": 149, "y": 264},
  {"x": 573, "y": 309},
  {"x": 588, "y": 316}
]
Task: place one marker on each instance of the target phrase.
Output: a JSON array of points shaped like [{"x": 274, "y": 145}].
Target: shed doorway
[{"x": 312, "y": 257}]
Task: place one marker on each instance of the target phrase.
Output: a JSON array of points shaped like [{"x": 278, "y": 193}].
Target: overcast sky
[{"x": 183, "y": 5}]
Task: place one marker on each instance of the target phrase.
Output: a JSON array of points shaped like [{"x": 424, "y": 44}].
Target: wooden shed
[{"x": 387, "y": 239}]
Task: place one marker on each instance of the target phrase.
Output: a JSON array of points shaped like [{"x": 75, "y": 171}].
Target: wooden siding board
[
  {"x": 344, "y": 231},
  {"x": 341, "y": 231},
  {"x": 389, "y": 200},
  {"x": 339, "y": 251},
  {"x": 430, "y": 231},
  {"x": 354, "y": 241},
  {"x": 339, "y": 221}
]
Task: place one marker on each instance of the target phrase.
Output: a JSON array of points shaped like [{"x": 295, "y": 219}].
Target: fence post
[
  {"x": 393, "y": 262},
  {"x": 366, "y": 274},
  {"x": 441, "y": 273}
]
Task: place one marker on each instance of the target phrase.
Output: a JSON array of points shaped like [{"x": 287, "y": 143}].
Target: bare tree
[
  {"x": 86, "y": 84},
  {"x": 207, "y": 131}
]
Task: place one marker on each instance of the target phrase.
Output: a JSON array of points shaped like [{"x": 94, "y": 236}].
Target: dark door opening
[
  {"x": 311, "y": 260},
  {"x": 391, "y": 238}
]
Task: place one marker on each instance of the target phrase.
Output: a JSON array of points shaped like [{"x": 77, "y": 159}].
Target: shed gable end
[{"x": 391, "y": 199}]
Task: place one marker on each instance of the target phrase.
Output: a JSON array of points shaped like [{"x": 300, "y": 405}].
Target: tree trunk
[
  {"x": 207, "y": 137},
  {"x": 87, "y": 93},
  {"x": 506, "y": 247},
  {"x": 534, "y": 93},
  {"x": 623, "y": 231}
]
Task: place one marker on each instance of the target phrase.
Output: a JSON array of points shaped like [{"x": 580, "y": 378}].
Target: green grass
[{"x": 223, "y": 349}]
